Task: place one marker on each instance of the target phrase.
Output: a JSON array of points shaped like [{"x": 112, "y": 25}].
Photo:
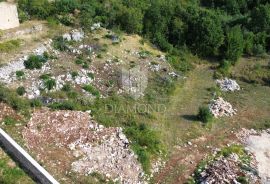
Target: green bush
[
  {"x": 21, "y": 91},
  {"x": 45, "y": 76},
  {"x": 89, "y": 88},
  {"x": 66, "y": 88},
  {"x": 50, "y": 84},
  {"x": 60, "y": 43},
  {"x": 74, "y": 74},
  {"x": 205, "y": 115},
  {"x": 19, "y": 75},
  {"x": 34, "y": 62},
  {"x": 36, "y": 103},
  {"x": 145, "y": 142},
  {"x": 11, "y": 98},
  {"x": 9, "y": 120}
]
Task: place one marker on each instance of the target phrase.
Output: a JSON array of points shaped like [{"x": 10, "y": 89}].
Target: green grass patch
[
  {"x": 10, "y": 45},
  {"x": 89, "y": 88},
  {"x": 12, "y": 98}
]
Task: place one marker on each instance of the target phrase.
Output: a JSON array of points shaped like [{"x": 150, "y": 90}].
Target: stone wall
[{"x": 8, "y": 16}]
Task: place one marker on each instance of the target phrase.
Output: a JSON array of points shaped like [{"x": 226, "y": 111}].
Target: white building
[{"x": 8, "y": 16}]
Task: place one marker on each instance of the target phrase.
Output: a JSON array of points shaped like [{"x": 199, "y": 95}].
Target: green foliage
[
  {"x": 36, "y": 8},
  {"x": 235, "y": 44},
  {"x": 11, "y": 175},
  {"x": 205, "y": 33},
  {"x": 205, "y": 115},
  {"x": 89, "y": 88},
  {"x": 10, "y": 45},
  {"x": 20, "y": 74},
  {"x": 145, "y": 143},
  {"x": 9, "y": 120},
  {"x": 260, "y": 18},
  {"x": 12, "y": 99},
  {"x": 60, "y": 43},
  {"x": 34, "y": 62},
  {"x": 180, "y": 63},
  {"x": 50, "y": 84},
  {"x": 21, "y": 91},
  {"x": 36, "y": 103}
]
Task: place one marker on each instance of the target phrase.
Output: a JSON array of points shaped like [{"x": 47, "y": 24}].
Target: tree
[
  {"x": 235, "y": 44},
  {"x": 260, "y": 18},
  {"x": 131, "y": 20},
  {"x": 205, "y": 34}
]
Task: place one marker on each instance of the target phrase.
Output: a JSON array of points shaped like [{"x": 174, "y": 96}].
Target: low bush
[
  {"x": 60, "y": 43},
  {"x": 205, "y": 115},
  {"x": 50, "y": 84},
  {"x": 36, "y": 103},
  {"x": 21, "y": 91},
  {"x": 11, "y": 98},
  {"x": 20, "y": 75},
  {"x": 180, "y": 63},
  {"x": 89, "y": 88},
  {"x": 34, "y": 62}
]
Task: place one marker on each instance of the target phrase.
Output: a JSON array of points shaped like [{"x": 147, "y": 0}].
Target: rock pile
[
  {"x": 70, "y": 141},
  {"x": 220, "y": 107},
  {"x": 76, "y": 35},
  {"x": 228, "y": 85},
  {"x": 222, "y": 171}
]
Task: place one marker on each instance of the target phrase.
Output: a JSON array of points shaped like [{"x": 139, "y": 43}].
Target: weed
[
  {"x": 89, "y": 88},
  {"x": 21, "y": 91},
  {"x": 20, "y": 75}
]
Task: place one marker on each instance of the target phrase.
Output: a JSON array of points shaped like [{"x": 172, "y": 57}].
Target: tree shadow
[{"x": 190, "y": 117}]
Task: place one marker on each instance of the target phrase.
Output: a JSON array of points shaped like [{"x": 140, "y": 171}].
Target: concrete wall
[
  {"x": 38, "y": 173},
  {"x": 8, "y": 16}
]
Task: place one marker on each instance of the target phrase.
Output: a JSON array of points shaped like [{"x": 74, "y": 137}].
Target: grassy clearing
[{"x": 179, "y": 124}]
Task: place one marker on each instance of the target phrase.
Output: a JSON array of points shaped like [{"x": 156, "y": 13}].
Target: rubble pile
[
  {"x": 220, "y": 107},
  {"x": 228, "y": 85},
  {"x": 75, "y": 35},
  {"x": 70, "y": 141},
  {"x": 222, "y": 171}
]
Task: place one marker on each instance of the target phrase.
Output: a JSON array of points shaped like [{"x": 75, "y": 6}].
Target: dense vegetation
[{"x": 226, "y": 29}]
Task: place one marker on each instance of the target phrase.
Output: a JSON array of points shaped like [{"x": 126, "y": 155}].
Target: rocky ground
[
  {"x": 258, "y": 143},
  {"x": 70, "y": 141}
]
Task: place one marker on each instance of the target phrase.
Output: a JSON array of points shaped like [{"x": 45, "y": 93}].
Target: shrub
[
  {"x": 79, "y": 61},
  {"x": 60, "y": 43},
  {"x": 20, "y": 74},
  {"x": 89, "y": 88},
  {"x": 45, "y": 76},
  {"x": 35, "y": 103},
  {"x": 74, "y": 74},
  {"x": 91, "y": 75},
  {"x": 85, "y": 65},
  {"x": 205, "y": 115},
  {"x": 34, "y": 62},
  {"x": 12, "y": 99},
  {"x": 21, "y": 91},
  {"x": 180, "y": 64},
  {"x": 50, "y": 84},
  {"x": 66, "y": 88},
  {"x": 9, "y": 120}
]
